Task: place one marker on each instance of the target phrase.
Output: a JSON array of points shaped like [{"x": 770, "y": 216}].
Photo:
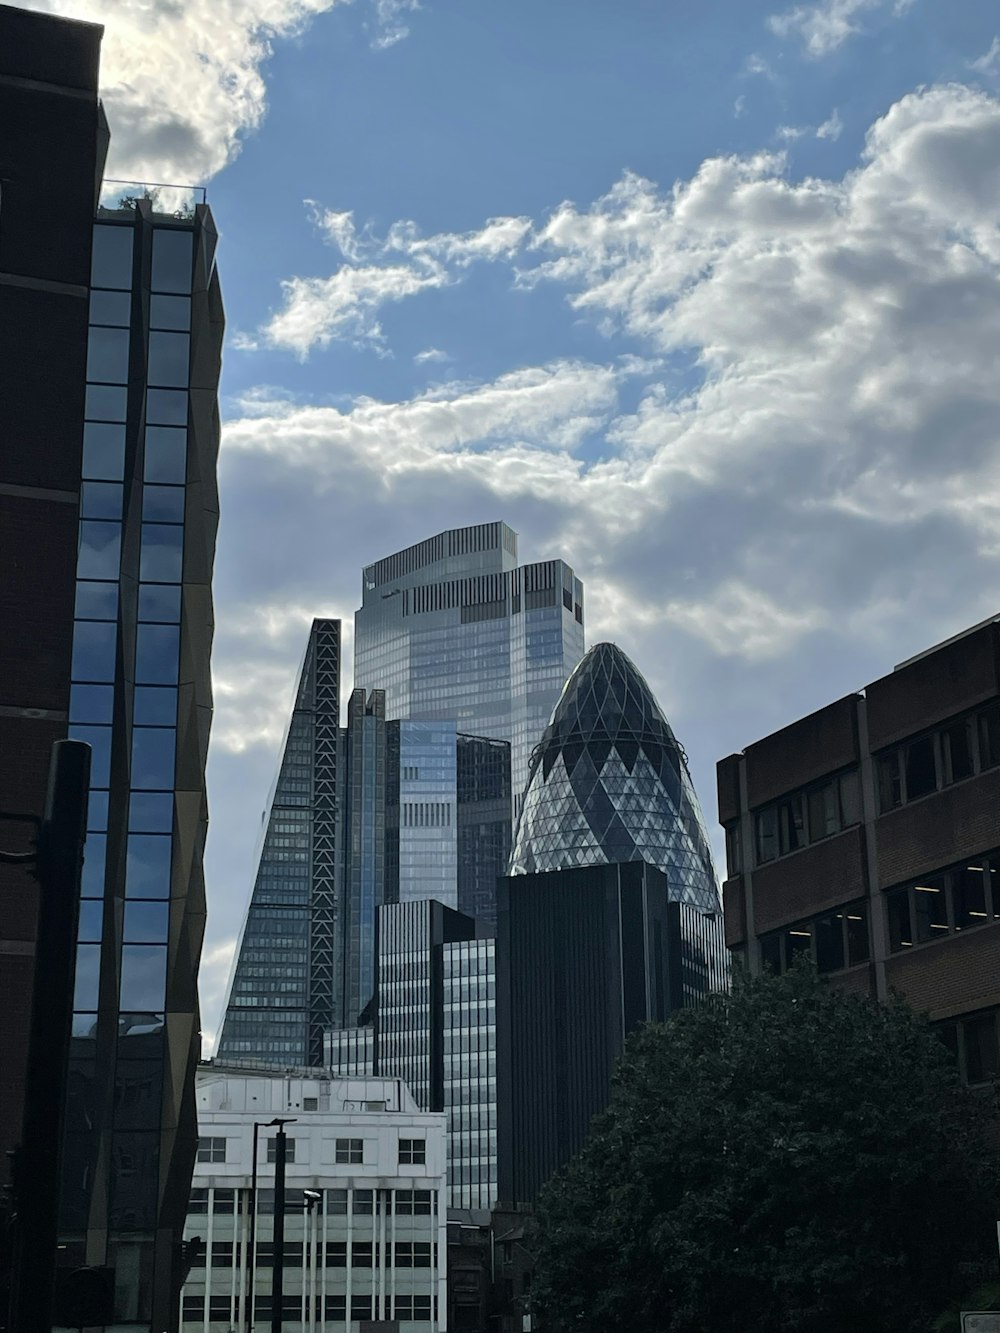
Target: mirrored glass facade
[
  {"x": 454, "y": 629},
  {"x": 609, "y": 783},
  {"x": 470, "y": 1073}
]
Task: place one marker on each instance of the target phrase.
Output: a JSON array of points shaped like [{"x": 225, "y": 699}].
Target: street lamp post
[
  {"x": 251, "y": 1263},
  {"x": 309, "y": 1259},
  {"x": 278, "y": 1271}
]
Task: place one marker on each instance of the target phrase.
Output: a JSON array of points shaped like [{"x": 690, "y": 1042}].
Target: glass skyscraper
[{"x": 453, "y": 629}]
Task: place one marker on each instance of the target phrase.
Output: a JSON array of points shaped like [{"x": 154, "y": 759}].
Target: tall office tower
[
  {"x": 364, "y": 859},
  {"x": 584, "y": 957},
  {"x": 610, "y": 917},
  {"x": 111, "y": 325},
  {"x": 435, "y": 1028},
  {"x": 454, "y": 628},
  {"x": 286, "y": 987},
  {"x": 610, "y": 783},
  {"x": 484, "y": 803}
]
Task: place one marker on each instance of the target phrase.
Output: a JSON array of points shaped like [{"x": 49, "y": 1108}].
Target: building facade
[
  {"x": 454, "y": 629},
  {"x": 584, "y": 957},
  {"x": 867, "y": 836},
  {"x": 365, "y": 1229},
  {"x": 125, "y": 319}
]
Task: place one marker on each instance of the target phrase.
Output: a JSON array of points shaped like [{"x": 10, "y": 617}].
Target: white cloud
[
  {"x": 392, "y": 27},
  {"x": 739, "y": 107},
  {"x": 989, "y": 61},
  {"x": 431, "y": 355},
  {"x": 825, "y": 26},
  {"x": 832, "y": 127},
  {"x": 789, "y": 133}
]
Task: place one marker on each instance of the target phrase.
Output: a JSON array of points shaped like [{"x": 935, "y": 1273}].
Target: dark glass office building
[{"x": 112, "y": 326}]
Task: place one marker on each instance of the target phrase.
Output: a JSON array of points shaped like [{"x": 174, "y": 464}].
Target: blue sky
[{"x": 703, "y": 296}]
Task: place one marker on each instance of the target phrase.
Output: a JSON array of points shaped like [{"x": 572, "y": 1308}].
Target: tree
[{"x": 789, "y": 1157}]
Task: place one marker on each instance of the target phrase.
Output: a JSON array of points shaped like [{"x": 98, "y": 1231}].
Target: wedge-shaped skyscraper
[{"x": 609, "y": 783}]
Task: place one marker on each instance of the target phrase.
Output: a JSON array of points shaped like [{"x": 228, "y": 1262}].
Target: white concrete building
[{"x": 365, "y": 1206}]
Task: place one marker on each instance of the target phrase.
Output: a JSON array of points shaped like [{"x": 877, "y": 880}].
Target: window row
[
  {"x": 164, "y": 455},
  {"x": 951, "y": 753},
  {"x": 806, "y": 817},
  {"x": 833, "y": 941},
  {"x": 959, "y": 898},
  {"x": 153, "y": 755},
  {"x": 168, "y": 356},
  {"x": 95, "y": 645},
  {"x": 404, "y": 1203},
  {"x": 161, "y": 549}
]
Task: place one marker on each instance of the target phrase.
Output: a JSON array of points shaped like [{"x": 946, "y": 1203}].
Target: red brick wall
[
  {"x": 803, "y": 752},
  {"x": 950, "y": 976},
  {"x": 930, "y": 834},
  {"x": 727, "y": 777},
  {"x": 734, "y": 911},
  {"x": 856, "y": 980},
  {"x": 822, "y": 876}
]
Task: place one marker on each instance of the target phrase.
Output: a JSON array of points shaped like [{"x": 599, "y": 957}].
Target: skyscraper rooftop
[{"x": 609, "y": 782}]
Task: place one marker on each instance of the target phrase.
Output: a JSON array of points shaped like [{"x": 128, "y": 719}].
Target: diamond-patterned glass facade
[{"x": 609, "y": 783}]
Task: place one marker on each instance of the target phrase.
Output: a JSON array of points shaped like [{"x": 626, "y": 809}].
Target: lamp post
[
  {"x": 309, "y": 1258},
  {"x": 278, "y": 1271},
  {"x": 252, "y": 1220}
]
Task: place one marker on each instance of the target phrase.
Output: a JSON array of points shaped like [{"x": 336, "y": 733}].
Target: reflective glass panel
[
  {"x": 101, "y": 499},
  {"x": 94, "y": 643},
  {"x": 91, "y": 921},
  {"x": 169, "y": 354},
  {"x": 160, "y": 601},
  {"x": 103, "y": 450},
  {"x": 156, "y": 654},
  {"x": 150, "y": 812},
  {"x": 172, "y": 261},
  {"x": 107, "y": 356},
  {"x": 155, "y": 706},
  {"x": 111, "y": 259},
  {"x": 84, "y": 1026},
  {"x": 96, "y": 601},
  {"x": 91, "y": 703},
  {"x": 94, "y": 851},
  {"x": 153, "y": 757},
  {"x": 105, "y": 402},
  {"x": 99, "y": 550},
  {"x": 166, "y": 454},
  {"x": 111, "y": 308},
  {"x": 167, "y": 407},
  {"x": 147, "y": 871},
  {"x": 144, "y": 977},
  {"x": 138, "y": 1086},
  {"x": 88, "y": 974},
  {"x": 162, "y": 554},
  {"x": 170, "y": 312},
  {"x": 97, "y": 813},
  {"x": 163, "y": 504},
  {"x": 146, "y": 923},
  {"x": 99, "y": 740}
]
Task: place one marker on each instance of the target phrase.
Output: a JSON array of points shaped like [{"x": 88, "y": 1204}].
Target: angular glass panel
[
  {"x": 105, "y": 402},
  {"x": 169, "y": 356},
  {"x": 101, "y": 499},
  {"x": 107, "y": 356},
  {"x": 103, "y": 450},
  {"x": 170, "y": 312},
  {"x": 162, "y": 555},
  {"x": 147, "y": 872},
  {"x": 99, "y": 552},
  {"x": 153, "y": 758},
  {"x": 155, "y": 706},
  {"x": 84, "y": 1026},
  {"x": 94, "y": 650},
  {"x": 99, "y": 740},
  {"x": 156, "y": 654},
  {"x": 150, "y": 812},
  {"x": 138, "y": 1087},
  {"x": 91, "y": 703},
  {"x": 146, "y": 923},
  {"x": 111, "y": 258},
  {"x": 96, "y": 601},
  {"x": 160, "y": 601},
  {"x": 144, "y": 977},
  {"x": 134, "y": 1173},
  {"x": 173, "y": 256},
  {"x": 166, "y": 454},
  {"x": 94, "y": 852},
  {"x": 97, "y": 814},
  {"x": 166, "y": 407},
  {"x": 163, "y": 504},
  {"x": 91, "y": 921},
  {"x": 88, "y": 975},
  {"x": 111, "y": 308}
]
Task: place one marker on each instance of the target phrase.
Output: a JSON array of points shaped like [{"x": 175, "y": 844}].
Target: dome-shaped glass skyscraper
[{"x": 609, "y": 783}]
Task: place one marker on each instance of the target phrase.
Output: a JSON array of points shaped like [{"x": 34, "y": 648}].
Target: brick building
[{"x": 868, "y": 835}]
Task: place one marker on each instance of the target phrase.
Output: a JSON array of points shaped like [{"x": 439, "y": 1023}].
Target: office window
[
  {"x": 412, "y": 1152},
  {"x": 801, "y": 818},
  {"x": 211, "y": 1150},
  {"x": 835, "y": 940},
  {"x": 272, "y": 1149},
  {"x": 952, "y": 900},
  {"x": 349, "y": 1151},
  {"x": 412, "y": 1254}
]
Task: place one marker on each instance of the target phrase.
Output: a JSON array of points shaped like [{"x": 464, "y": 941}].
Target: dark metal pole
[
  {"x": 278, "y": 1273},
  {"x": 38, "y": 1161},
  {"x": 251, "y": 1260}
]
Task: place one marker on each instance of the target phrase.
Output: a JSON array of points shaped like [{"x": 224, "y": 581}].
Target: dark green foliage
[{"x": 787, "y": 1158}]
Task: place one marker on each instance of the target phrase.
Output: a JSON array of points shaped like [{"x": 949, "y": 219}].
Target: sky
[{"x": 702, "y": 296}]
